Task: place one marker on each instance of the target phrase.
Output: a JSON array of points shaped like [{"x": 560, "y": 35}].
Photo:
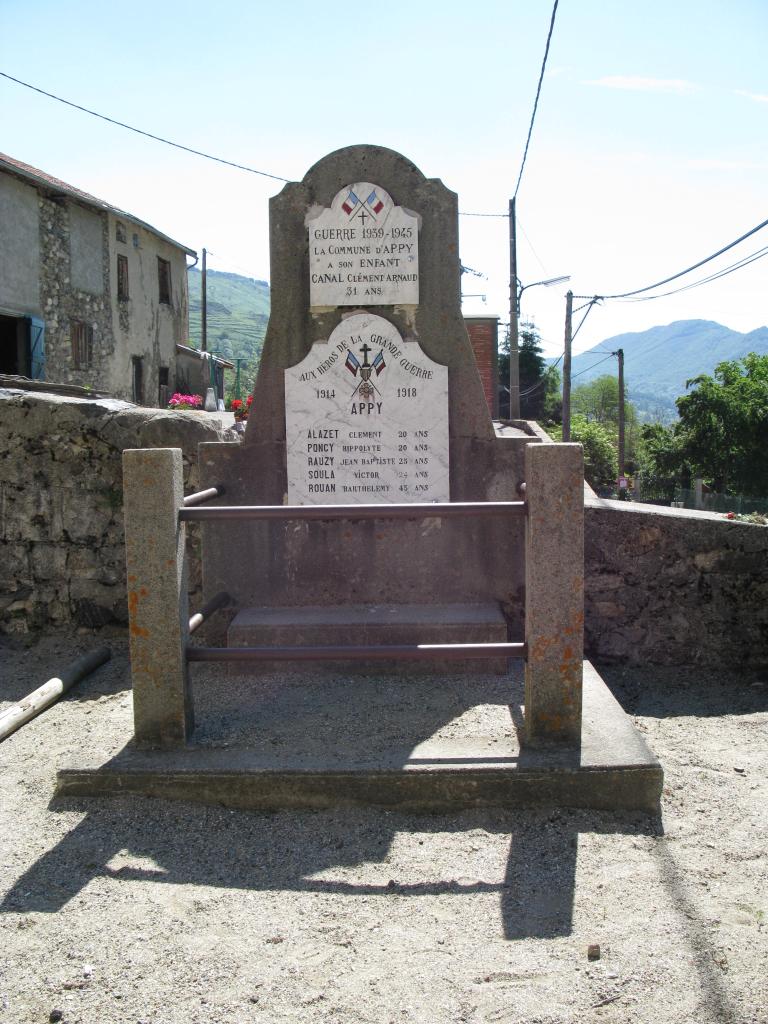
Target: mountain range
[
  {"x": 238, "y": 311},
  {"x": 659, "y": 361}
]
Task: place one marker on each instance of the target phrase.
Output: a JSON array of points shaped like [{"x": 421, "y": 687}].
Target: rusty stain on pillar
[
  {"x": 554, "y": 598},
  {"x": 157, "y": 596}
]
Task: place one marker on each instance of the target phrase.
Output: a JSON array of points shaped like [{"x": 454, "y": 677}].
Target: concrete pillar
[
  {"x": 157, "y": 596},
  {"x": 554, "y": 591}
]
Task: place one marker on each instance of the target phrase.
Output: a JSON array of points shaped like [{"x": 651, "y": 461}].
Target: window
[
  {"x": 82, "y": 344},
  {"x": 137, "y": 381},
  {"x": 120, "y": 233},
  {"x": 122, "y": 277},
  {"x": 164, "y": 280}
]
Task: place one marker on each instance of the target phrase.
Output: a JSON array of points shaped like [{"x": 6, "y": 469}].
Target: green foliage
[
  {"x": 601, "y": 467},
  {"x": 598, "y": 402},
  {"x": 660, "y": 460},
  {"x": 723, "y": 427}
]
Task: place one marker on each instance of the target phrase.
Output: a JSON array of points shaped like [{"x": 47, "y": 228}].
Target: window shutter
[{"x": 36, "y": 348}]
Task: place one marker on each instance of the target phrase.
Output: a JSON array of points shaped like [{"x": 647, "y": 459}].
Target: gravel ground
[{"x": 133, "y": 910}]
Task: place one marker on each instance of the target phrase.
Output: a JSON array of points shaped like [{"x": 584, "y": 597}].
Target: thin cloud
[
  {"x": 758, "y": 97},
  {"x": 674, "y": 85}
]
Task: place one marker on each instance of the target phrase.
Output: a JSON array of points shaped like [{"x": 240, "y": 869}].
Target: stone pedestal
[
  {"x": 157, "y": 596},
  {"x": 554, "y": 592}
]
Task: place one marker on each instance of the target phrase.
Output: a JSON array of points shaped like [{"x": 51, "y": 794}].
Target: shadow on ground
[
  {"x": 188, "y": 844},
  {"x": 657, "y": 691}
]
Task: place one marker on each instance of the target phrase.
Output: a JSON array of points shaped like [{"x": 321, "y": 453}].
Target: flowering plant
[
  {"x": 179, "y": 401},
  {"x": 240, "y": 408}
]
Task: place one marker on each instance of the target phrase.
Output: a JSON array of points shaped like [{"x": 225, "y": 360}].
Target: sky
[{"x": 649, "y": 150}]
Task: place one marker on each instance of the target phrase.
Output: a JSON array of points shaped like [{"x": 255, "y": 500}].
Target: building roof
[{"x": 58, "y": 187}]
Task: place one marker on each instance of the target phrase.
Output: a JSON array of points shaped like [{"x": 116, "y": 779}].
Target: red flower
[
  {"x": 236, "y": 404},
  {"x": 248, "y": 401}
]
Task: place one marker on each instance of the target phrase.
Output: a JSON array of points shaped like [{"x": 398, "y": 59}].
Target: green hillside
[{"x": 238, "y": 311}]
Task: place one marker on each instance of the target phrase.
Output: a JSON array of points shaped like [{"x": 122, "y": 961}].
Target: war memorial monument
[{"x": 372, "y": 528}]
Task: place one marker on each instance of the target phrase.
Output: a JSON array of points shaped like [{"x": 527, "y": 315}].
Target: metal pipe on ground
[
  {"x": 208, "y": 609},
  {"x": 200, "y": 496},
  {"x": 20, "y": 713}
]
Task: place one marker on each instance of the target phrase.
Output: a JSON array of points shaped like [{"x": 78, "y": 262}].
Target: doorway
[{"x": 14, "y": 346}]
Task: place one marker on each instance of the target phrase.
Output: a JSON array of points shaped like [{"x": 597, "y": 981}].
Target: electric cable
[
  {"x": 587, "y": 370},
  {"x": 706, "y": 280},
  {"x": 674, "y": 277},
  {"x": 581, "y": 323},
  {"x": 536, "y": 102},
  {"x": 149, "y": 135}
]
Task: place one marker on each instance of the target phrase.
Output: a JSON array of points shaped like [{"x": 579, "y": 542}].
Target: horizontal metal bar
[
  {"x": 200, "y": 496},
  {"x": 371, "y": 652},
  {"x": 216, "y": 602},
  {"x": 418, "y": 510}
]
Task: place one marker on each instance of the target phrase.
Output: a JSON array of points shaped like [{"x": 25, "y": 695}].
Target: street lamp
[
  {"x": 546, "y": 284},
  {"x": 514, "y": 350}
]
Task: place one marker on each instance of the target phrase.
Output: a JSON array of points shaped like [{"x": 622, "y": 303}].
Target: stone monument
[{"x": 367, "y": 392}]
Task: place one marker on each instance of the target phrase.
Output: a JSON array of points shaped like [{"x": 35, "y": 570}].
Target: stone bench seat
[{"x": 353, "y": 625}]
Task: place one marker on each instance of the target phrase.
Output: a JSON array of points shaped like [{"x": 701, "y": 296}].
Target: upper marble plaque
[
  {"x": 363, "y": 250},
  {"x": 366, "y": 419}
]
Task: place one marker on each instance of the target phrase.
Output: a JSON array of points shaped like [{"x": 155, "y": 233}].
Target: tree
[
  {"x": 600, "y": 462},
  {"x": 660, "y": 459},
  {"x": 598, "y": 402},
  {"x": 723, "y": 426},
  {"x": 539, "y": 384}
]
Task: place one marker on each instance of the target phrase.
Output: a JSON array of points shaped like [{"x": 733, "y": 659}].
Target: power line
[
  {"x": 530, "y": 245},
  {"x": 609, "y": 356},
  {"x": 581, "y": 322},
  {"x": 149, "y": 135},
  {"x": 540, "y": 383},
  {"x": 536, "y": 102},
  {"x": 178, "y": 145},
  {"x": 711, "y": 277},
  {"x": 674, "y": 277}
]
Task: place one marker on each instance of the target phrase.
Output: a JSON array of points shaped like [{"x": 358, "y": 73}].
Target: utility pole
[
  {"x": 204, "y": 308},
  {"x": 622, "y": 490},
  {"x": 514, "y": 353},
  {"x": 567, "y": 367},
  {"x": 238, "y": 361}
]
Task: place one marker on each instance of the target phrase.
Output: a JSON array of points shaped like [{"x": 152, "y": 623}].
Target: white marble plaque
[
  {"x": 363, "y": 250},
  {"x": 366, "y": 419}
]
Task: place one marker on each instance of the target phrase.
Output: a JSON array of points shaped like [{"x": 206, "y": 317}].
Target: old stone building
[{"x": 89, "y": 294}]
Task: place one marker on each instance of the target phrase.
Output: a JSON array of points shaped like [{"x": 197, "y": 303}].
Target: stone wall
[
  {"x": 62, "y": 302},
  {"x": 62, "y": 558},
  {"x": 672, "y": 586}
]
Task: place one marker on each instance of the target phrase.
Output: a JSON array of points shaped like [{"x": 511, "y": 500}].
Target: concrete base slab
[
  {"x": 291, "y": 741},
  {"x": 373, "y": 624}
]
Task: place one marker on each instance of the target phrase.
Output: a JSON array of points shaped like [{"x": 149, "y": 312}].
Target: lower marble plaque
[{"x": 366, "y": 419}]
